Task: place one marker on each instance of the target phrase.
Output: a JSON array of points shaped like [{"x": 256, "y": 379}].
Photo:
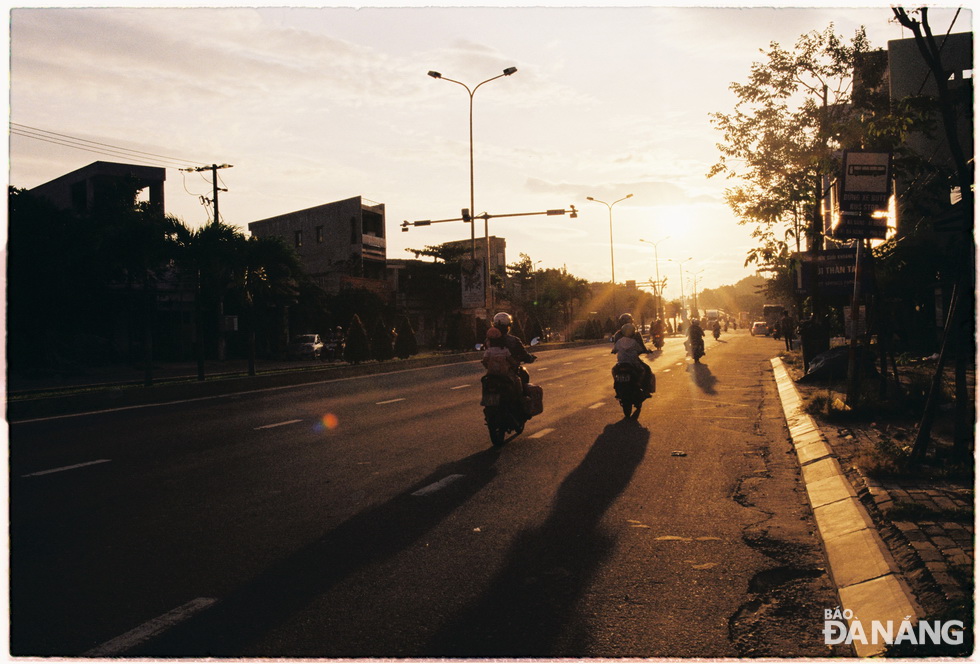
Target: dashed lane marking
[
  {"x": 64, "y": 468},
  {"x": 381, "y": 403},
  {"x": 542, "y": 433},
  {"x": 436, "y": 486},
  {"x": 597, "y": 405},
  {"x": 278, "y": 424},
  {"x": 458, "y": 387},
  {"x": 149, "y": 629}
]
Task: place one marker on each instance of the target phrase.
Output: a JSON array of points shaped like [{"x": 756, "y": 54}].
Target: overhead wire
[{"x": 67, "y": 140}]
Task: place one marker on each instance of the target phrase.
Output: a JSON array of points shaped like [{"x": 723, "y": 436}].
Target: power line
[{"x": 95, "y": 146}]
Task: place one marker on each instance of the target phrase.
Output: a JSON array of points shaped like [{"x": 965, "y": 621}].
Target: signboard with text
[
  {"x": 865, "y": 182},
  {"x": 471, "y": 280}
]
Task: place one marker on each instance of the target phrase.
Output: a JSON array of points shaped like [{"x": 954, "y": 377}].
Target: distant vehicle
[
  {"x": 771, "y": 314},
  {"x": 743, "y": 319},
  {"x": 759, "y": 327},
  {"x": 305, "y": 346}
]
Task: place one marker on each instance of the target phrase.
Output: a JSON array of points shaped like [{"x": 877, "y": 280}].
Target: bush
[
  {"x": 382, "y": 343},
  {"x": 406, "y": 344},
  {"x": 357, "y": 348}
]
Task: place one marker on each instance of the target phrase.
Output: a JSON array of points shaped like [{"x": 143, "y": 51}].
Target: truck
[{"x": 771, "y": 313}]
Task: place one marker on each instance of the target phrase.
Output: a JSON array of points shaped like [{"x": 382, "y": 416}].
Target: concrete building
[
  {"x": 341, "y": 244},
  {"x": 83, "y": 190},
  {"x": 908, "y": 75}
]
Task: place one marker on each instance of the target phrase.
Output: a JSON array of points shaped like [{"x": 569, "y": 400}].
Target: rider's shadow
[{"x": 703, "y": 377}]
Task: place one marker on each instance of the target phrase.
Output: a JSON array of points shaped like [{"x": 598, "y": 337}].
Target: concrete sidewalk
[{"x": 869, "y": 582}]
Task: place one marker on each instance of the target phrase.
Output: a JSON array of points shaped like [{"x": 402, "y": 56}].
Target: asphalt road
[{"x": 369, "y": 517}]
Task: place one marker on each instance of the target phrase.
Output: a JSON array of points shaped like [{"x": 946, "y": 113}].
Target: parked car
[
  {"x": 305, "y": 346},
  {"x": 759, "y": 327}
]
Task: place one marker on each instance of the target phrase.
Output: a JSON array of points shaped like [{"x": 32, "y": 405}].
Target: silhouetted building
[
  {"x": 341, "y": 244},
  {"x": 908, "y": 75},
  {"x": 87, "y": 188}
]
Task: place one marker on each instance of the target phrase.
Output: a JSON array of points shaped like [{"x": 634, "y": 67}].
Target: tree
[
  {"x": 357, "y": 348},
  {"x": 406, "y": 344},
  {"x": 382, "y": 342},
  {"x": 779, "y": 141}
]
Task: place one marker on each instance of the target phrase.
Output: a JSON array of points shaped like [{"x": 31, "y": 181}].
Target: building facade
[
  {"x": 83, "y": 191},
  {"x": 341, "y": 244}
]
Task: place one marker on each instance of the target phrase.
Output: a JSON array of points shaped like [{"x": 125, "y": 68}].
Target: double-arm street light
[
  {"x": 612, "y": 257},
  {"x": 656, "y": 262},
  {"x": 486, "y": 230}
]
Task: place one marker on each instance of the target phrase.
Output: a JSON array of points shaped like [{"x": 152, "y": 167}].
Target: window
[
  {"x": 319, "y": 234},
  {"x": 298, "y": 238}
]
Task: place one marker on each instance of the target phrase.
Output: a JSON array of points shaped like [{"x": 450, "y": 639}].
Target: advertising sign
[
  {"x": 471, "y": 280},
  {"x": 831, "y": 272}
]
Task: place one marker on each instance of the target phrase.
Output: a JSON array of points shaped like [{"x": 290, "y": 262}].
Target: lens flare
[{"x": 330, "y": 421}]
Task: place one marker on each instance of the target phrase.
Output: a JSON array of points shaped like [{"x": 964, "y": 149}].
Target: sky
[{"x": 312, "y": 105}]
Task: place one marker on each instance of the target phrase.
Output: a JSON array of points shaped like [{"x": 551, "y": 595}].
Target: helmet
[
  {"x": 625, "y": 318},
  {"x": 502, "y": 319},
  {"x": 494, "y": 333},
  {"x": 696, "y": 321},
  {"x": 628, "y": 330}
]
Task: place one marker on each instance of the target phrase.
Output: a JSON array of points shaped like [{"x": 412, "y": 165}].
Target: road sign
[
  {"x": 861, "y": 226},
  {"x": 866, "y": 180}
]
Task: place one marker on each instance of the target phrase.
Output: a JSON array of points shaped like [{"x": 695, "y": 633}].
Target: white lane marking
[
  {"x": 63, "y": 468},
  {"x": 541, "y": 368},
  {"x": 597, "y": 405},
  {"x": 543, "y": 432},
  {"x": 679, "y": 364},
  {"x": 278, "y": 424},
  {"x": 665, "y": 371},
  {"x": 458, "y": 387},
  {"x": 150, "y": 629},
  {"x": 436, "y": 486},
  {"x": 567, "y": 363},
  {"x": 381, "y": 403}
]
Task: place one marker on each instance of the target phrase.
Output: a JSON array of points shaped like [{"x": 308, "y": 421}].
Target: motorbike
[
  {"x": 716, "y": 333},
  {"x": 697, "y": 350},
  {"x": 508, "y": 404},
  {"x": 628, "y": 385},
  {"x": 658, "y": 340}
]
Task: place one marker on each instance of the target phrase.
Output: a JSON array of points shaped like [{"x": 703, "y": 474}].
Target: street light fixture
[
  {"x": 486, "y": 229},
  {"x": 680, "y": 275},
  {"x": 612, "y": 259},
  {"x": 656, "y": 262},
  {"x": 695, "y": 275}
]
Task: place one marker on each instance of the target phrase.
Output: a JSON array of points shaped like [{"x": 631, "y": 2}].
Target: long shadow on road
[
  {"x": 227, "y": 629},
  {"x": 531, "y": 602},
  {"x": 703, "y": 377}
]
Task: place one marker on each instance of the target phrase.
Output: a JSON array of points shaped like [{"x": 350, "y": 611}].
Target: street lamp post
[
  {"x": 472, "y": 211},
  {"x": 680, "y": 275},
  {"x": 656, "y": 262},
  {"x": 695, "y": 275},
  {"x": 612, "y": 258}
]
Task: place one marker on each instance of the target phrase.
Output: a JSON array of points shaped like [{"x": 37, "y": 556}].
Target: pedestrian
[{"x": 787, "y": 329}]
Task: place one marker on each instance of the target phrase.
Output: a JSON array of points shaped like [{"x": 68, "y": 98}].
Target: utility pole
[
  {"x": 214, "y": 183},
  {"x": 221, "y": 319}
]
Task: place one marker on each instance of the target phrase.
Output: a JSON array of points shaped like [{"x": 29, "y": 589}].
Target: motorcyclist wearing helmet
[
  {"x": 503, "y": 322},
  {"x": 627, "y": 319},
  {"x": 629, "y": 331}
]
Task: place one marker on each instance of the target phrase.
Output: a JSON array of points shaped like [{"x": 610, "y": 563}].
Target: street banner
[{"x": 471, "y": 280}]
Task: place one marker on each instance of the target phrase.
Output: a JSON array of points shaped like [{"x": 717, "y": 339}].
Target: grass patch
[{"x": 903, "y": 511}]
